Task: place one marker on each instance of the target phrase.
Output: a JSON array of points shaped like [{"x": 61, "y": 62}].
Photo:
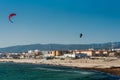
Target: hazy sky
[{"x": 59, "y": 21}]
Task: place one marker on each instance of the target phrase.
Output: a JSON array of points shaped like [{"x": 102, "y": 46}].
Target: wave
[{"x": 69, "y": 71}]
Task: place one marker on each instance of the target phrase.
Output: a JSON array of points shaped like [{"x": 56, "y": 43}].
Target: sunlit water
[{"x": 15, "y": 71}]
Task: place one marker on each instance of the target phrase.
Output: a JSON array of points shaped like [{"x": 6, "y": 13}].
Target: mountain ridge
[{"x": 25, "y": 48}]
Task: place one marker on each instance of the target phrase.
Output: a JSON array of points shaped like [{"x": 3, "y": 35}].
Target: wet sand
[
  {"x": 108, "y": 66},
  {"x": 112, "y": 70}
]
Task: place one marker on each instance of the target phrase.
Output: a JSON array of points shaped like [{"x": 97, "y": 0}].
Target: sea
[{"x": 24, "y": 71}]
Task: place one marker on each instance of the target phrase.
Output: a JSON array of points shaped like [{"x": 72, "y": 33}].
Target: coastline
[{"x": 111, "y": 67}]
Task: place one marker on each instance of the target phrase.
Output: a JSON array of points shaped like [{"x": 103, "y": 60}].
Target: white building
[
  {"x": 73, "y": 55},
  {"x": 30, "y": 51}
]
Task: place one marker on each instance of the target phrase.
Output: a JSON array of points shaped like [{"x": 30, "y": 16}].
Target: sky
[{"x": 59, "y": 22}]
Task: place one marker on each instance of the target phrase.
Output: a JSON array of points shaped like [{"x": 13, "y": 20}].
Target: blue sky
[{"x": 59, "y": 21}]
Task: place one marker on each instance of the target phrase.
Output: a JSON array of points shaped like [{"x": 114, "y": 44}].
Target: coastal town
[
  {"x": 101, "y": 60},
  {"x": 65, "y": 54},
  {"x": 59, "y": 40}
]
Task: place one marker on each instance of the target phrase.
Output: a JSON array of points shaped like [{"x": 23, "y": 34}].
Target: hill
[{"x": 25, "y": 48}]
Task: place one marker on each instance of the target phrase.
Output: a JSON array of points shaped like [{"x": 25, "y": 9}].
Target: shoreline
[
  {"x": 112, "y": 71},
  {"x": 111, "y": 67}
]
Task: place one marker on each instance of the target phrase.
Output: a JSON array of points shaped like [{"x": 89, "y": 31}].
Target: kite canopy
[
  {"x": 10, "y": 16},
  {"x": 81, "y": 35}
]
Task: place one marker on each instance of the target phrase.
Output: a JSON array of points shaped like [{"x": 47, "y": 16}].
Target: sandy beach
[{"x": 109, "y": 66}]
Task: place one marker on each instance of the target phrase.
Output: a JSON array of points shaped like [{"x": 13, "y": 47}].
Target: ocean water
[{"x": 17, "y": 71}]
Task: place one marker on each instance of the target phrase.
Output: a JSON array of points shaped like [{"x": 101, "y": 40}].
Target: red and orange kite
[{"x": 10, "y": 16}]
